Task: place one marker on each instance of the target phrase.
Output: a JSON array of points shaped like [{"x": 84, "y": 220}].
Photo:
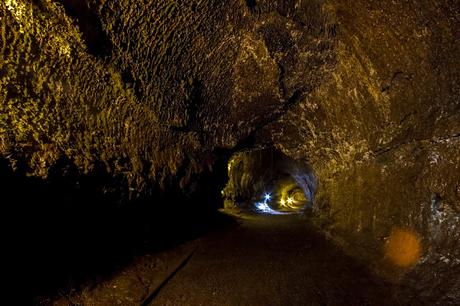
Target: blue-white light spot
[{"x": 263, "y": 207}]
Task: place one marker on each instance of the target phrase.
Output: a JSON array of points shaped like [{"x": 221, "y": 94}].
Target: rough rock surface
[
  {"x": 383, "y": 134},
  {"x": 366, "y": 92},
  {"x": 180, "y": 80}
]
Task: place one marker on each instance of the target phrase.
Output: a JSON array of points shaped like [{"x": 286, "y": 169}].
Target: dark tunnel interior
[{"x": 70, "y": 230}]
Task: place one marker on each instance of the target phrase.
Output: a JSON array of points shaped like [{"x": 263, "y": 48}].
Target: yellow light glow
[
  {"x": 17, "y": 9},
  {"x": 290, "y": 200},
  {"x": 403, "y": 247},
  {"x": 282, "y": 202}
]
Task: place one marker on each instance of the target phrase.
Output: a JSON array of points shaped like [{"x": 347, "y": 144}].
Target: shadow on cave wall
[
  {"x": 90, "y": 25},
  {"x": 69, "y": 229}
]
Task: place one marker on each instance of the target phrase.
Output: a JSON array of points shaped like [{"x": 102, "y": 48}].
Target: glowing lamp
[
  {"x": 267, "y": 197},
  {"x": 290, "y": 200}
]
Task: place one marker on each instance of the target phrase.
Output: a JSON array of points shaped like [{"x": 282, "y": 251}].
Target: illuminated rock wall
[
  {"x": 382, "y": 133},
  {"x": 172, "y": 83},
  {"x": 254, "y": 174}
]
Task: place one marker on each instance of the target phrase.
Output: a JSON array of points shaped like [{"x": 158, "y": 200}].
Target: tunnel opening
[{"x": 268, "y": 181}]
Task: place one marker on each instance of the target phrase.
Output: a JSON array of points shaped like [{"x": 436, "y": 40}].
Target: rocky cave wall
[
  {"x": 153, "y": 93},
  {"x": 173, "y": 82},
  {"x": 382, "y": 133},
  {"x": 250, "y": 174}
]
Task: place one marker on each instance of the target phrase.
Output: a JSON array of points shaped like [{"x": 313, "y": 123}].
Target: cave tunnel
[
  {"x": 238, "y": 152},
  {"x": 267, "y": 181}
]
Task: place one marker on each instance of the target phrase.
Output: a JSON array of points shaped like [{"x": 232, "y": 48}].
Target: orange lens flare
[{"x": 403, "y": 247}]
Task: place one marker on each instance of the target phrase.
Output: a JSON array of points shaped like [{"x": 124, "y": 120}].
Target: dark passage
[{"x": 67, "y": 234}]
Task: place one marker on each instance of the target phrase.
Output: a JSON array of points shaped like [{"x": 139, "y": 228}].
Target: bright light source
[
  {"x": 290, "y": 200},
  {"x": 282, "y": 202},
  {"x": 263, "y": 206},
  {"x": 267, "y": 197}
]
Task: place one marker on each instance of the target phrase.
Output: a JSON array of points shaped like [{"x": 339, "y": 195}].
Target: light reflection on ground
[{"x": 263, "y": 207}]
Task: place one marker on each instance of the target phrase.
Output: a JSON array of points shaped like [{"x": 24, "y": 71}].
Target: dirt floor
[
  {"x": 271, "y": 260},
  {"x": 259, "y": 260}
]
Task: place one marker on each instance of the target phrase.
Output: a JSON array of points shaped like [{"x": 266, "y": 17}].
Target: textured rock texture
[
  {"x": 175, "y": 81},
  {"x": 382, "y": 133},
  {"x": 154, "y": 92}
]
